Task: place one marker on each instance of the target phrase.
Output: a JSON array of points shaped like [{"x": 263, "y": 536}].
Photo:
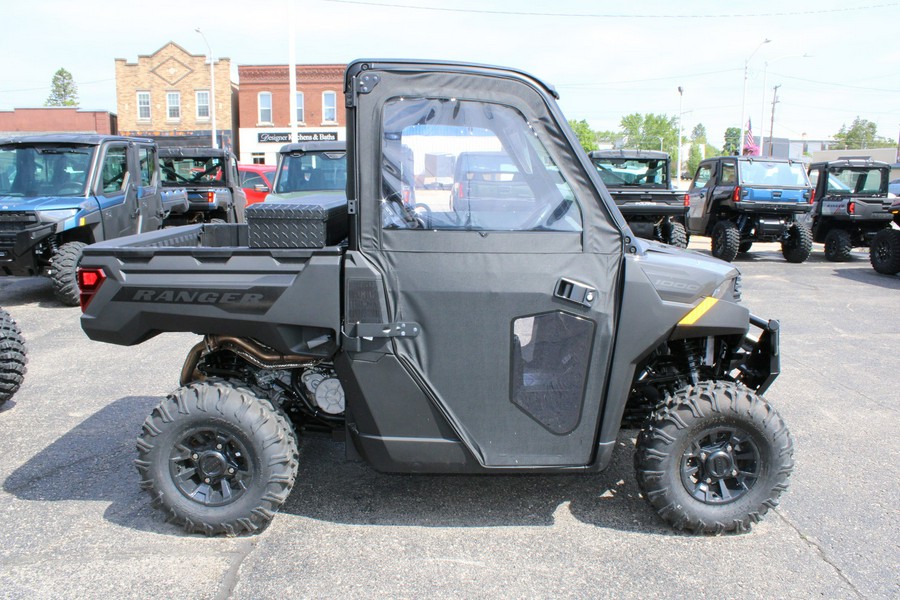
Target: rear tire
[
  {"x": 217, "y": 459},
  {"x": 838, "y": 245},
  {"x": 63, "y": 267},
  {"x": 12, "y": 357},
  {"x": 797, "y": 246},
  {"x": 713, "y": 458},
  {"x": 884, "y": 252},
  {"x": 675, "y": 234},
  {"x": 726, "y": 240}
]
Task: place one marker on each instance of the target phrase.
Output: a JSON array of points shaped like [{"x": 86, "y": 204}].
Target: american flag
[{"x": 750, "y": 146}]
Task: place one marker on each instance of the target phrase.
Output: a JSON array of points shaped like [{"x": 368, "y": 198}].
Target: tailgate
[{"x": 288, "y": 299}]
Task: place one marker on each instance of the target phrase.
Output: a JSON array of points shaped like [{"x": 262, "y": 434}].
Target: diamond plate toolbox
[{"x": 310, "y": 222}]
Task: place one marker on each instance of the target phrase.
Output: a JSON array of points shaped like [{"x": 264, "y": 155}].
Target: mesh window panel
[
  {"x": 363, "y": 302},
  {"x": 550, "y": 358}
]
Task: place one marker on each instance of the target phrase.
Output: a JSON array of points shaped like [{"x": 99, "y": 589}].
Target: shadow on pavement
[
  {"x": 870, "y": 276},
  {"x": 94, "y": 462},
  {"x": 16, "y": 291}
]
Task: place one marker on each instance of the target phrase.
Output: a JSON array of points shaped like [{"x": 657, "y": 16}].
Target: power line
[
  {"x": 615, "y": 15},
  {"x": 669, "y": 78},
  {"x": 844, "y": 85}
]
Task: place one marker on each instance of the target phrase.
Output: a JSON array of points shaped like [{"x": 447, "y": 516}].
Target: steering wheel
[
  {"x": 540, "y": 216},
  {"x": 423, "y": 214}
]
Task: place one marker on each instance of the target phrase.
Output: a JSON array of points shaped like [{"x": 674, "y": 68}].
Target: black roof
[
  {"x": 628, "y": 153},
  {"x": 852, "y": 162},
  {"x": 85, "y": 139},
  {"x": 191, "y": 152},
  {"x": 314, "y": 147}
]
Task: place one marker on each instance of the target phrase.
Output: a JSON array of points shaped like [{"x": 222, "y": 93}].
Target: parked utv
[
  {"x": 211, "y": 179},
  {"x": 640, "y": 183},
  {"x": 310, "y": 168},
  {"x": 477, "y": 339},
  {"x": 738, "y": 200},
  {"x": 12, "y": 357},
  {"x": 59, "y": 193},
  {"x": 884, "y": 251},
  {"x": 851, "y": 204}
]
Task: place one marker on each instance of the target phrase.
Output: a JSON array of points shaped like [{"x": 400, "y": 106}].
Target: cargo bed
[{"x": 207, "y": 280}]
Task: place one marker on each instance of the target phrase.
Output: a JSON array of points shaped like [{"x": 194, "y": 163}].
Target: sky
[{"x": 832, "y": 59}]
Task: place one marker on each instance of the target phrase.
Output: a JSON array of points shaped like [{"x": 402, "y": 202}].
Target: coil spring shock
[{"x": 693, "y": 363}]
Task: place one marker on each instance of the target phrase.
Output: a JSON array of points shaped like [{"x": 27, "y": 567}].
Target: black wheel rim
[
  {"x": 720, "y": 465},
  {"x": 718, "y": 240},
  {"x": 882, "y": 251},
  {"x": 211, "y": 466}
]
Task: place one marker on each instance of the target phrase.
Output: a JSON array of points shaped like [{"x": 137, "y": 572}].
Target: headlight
[
  {"x": 730, "y": 288},
  {"x": 52, "y": 216}
]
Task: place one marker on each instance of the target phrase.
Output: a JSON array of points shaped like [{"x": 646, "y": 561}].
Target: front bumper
[
  {"x": 759, "y": 363},
  {"x": 17, "y": 255}
]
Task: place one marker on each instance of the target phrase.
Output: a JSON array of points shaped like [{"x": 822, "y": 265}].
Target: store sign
[
  {"x": 317, "y": 136},
  {"x": 302, "y": 136}
]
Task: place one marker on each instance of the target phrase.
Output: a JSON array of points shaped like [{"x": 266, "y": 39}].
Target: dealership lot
[{"x": 73, "y": 522}]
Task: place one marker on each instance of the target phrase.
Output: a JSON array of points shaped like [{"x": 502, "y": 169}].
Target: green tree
[
  {"x": 694, "y": 159},
  {"x": 63, "y": 91},
  {"x": 586, "y": 135},
  {"x": 698, "y": 134},
  {"x": 651, "y": 132},
  {"x": 732, "y": 140},
  {"x": 861, "y": 134}
]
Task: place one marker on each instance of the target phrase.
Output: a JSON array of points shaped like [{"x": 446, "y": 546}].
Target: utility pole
[{"x": 772, "y": 123}]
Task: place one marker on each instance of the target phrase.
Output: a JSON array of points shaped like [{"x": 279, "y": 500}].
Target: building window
[
  {"x": 259, "y": 158},
  {"x": 300, "y": 118},
  {"x": 265, "y": 107},
  {"x": 173, "y": 105},
  {"x": 143, "y": 106},
  {"x": 203, "y": 104},
  {"x": 329, "y": 107}
]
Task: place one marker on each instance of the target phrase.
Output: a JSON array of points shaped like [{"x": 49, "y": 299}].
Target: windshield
[
  {"x": 649, "y": 172},
  {"x": 204, "y": 170},
  {"x": 312, "y": 172},
  {"x": 44, "y": 170},
  {"x": 857, "y": 181},
  {"x": 773, "y": 174}
]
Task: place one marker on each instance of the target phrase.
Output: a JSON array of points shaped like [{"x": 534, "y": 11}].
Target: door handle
[{"x": 575, "y": 291}]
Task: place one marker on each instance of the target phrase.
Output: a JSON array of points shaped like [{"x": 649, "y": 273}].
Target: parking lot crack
[
  {"x": 820, "y": 551},
  {"x": 232, "y": 576}
]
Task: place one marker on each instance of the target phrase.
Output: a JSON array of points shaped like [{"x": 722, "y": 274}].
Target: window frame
[
  {"x": 149, "y": 105},
  {"x": 260, "y": 108},
  {"x": 101, "y": 187},
  {"x": 198, "y": 104},
  {"x": 300, "y": 116},
  {"x": 325, "y": 107},
  {"x": 170, "y": 105}
]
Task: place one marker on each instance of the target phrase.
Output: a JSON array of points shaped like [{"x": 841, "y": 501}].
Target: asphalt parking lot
[{"x": 73, "y": 523}]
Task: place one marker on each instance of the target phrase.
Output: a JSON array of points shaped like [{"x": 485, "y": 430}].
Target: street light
[
  {"x": 762, "y": 115},
  {"x": 744, "y": 97},
  {"x": 212, "y": 88},
  {"x": 680, "y": 119}
]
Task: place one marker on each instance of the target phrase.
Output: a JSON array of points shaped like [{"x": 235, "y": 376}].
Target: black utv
[
  {"x": 852, "y": 204},
  {"x": 446, "y": 337}
]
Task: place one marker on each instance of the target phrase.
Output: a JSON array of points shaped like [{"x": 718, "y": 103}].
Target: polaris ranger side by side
[
  {"x": 59, "y": 193},
  {"x": 738, "y": 200},
  {"x": 310, "y": 168},
  {"x": 211, "y": 179},
  {"x": 851, "y": 204},
  {"x": 514, "y": 340},
  {"x": 641, "y": 185}
]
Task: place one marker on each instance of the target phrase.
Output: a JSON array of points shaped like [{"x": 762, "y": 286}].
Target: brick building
[
  {"x": 166, "y": 95},
  {"x": 264, "y": 99},
  {"x": 62, "y": 119}
]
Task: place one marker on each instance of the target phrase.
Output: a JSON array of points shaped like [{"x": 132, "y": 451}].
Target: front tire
[
  {"x": 726, "y": 240},
  {"x": 797, "y": 245},
  {"x": 63, "y": 267},
  {"x": 714, "y": 458},
  {"x": 675, "y": 234},
  {"x": 838, "y": 245},
  {"x": 12, "y": 357},
  {"x": 884, "y": 252},
  {"x": 217, "y": 459}
]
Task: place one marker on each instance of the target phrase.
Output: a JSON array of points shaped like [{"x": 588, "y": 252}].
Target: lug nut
[
  {"x": 195, "y": 456},
  {"x": 206, "y": 480},
  {"x": 219, "y": 447},
  {"x": 232, "y": 471}
]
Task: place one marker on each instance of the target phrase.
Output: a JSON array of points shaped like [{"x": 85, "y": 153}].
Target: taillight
[
  {"x": 89, "y": 281},
  {"x": 210, "y": 197},
  {"x": 812, "y": 196},
  {"x": 459, "y": 190},
  {"x": 736, "y": 196},
  {"x": 687, "y": 199},
  {"x": 851, "y": 208}
]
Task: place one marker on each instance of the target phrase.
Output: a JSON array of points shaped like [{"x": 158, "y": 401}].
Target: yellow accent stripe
[
  {"x": 81, "y": 222},
  {"x": 699, "y": 310}
]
